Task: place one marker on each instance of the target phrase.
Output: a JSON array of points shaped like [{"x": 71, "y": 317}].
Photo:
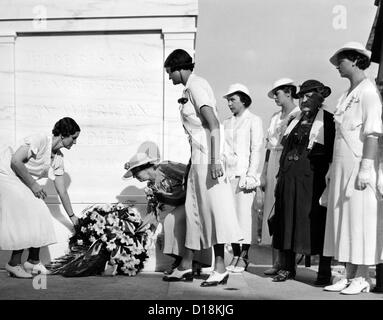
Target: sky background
[{"x": 255, "y": 42}]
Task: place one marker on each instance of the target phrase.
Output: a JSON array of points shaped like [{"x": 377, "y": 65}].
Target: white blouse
[
  {"x": 43, "y": 164},
  {"x": 277, "y": 128},
  {"x": 243, "y": 144},
  {"x": 359, "y": 114}
]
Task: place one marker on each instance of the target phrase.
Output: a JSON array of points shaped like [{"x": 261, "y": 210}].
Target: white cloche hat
[
  {"x": 237, "y": 87},
  {"x": 353, "y": 45},
  {"x": 280, "y": 83}
]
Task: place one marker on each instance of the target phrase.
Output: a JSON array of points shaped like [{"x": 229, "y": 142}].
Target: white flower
[
  {"x": 104, "y": 238},
  {"x": 119, "y": 234},
  {"x": 106, "y": 207},
  {"x": 82, "y": 215},
  {"x": 148, "y": 191},
  {"x": 125, "y": 239},
  {"x": 80, "y": 242},
  {"x": 111, "y": 245},
  {"x": 120, "y": 206},
  {"x": 100, "y": 219},
  {"x": 99, "y": 228},
  {"x": 92, "y": 239},
  {"x": 112, "y": 219},
  {"x": 130, "y": 272},
  {"x": 94, "y": 216},
  {"x": 136, "y": 249},
  {"x": 83, "y": 229}
]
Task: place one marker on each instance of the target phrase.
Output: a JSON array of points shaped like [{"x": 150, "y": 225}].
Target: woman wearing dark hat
[
  {"x": 354, "y": 226},
  {"x": 283, "y": 92},
  {"x": 242, "y": 148},
  {"x": 299, "y": 220}
]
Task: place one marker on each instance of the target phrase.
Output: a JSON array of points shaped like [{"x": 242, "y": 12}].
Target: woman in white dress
[
  {"x": 242, "y": 152},
  {"x": 283, "y": 92},
  {"x": 25, "y": 220},
  {"x": 354, "y": 225},
  {"x": 210, "y": 211}
]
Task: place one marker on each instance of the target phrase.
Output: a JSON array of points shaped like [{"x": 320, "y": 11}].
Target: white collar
[{"x": 316, "y": 129}]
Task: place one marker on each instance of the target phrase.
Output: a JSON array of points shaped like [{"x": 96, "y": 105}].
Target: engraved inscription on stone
[{"x": 112, "y": 85}]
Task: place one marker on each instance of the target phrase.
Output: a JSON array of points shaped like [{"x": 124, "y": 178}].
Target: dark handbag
[{"x": 271, "y": 221}]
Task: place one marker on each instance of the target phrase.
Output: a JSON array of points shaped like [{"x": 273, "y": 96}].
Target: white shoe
[
  {"x": 337, "y": 286},
  {"x": 216, "y": 278},
  {"x": 232, "y": 264},
  {"x": 17, "y": 272},
  {"x": 179, "y": 275},
  {"x": 230, "y": 268},
  {"x": 357, "y": 286},
  {"x": 35, "y": 268}
]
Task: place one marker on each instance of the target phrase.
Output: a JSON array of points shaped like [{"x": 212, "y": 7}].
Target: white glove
[
  {"x": 251, "y": 183},
  {"x": 364, "y": 174},
  {"x": 242, "y": 182},
  {"x": 248, "y": 183}
]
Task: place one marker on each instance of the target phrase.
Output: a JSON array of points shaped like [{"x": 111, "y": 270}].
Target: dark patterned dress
[{"x": 299, "y": 220}]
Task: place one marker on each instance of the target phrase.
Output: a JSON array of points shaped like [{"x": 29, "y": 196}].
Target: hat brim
[
  {"x": 326, "y": 91},
  {"x": 235, "y": 92},
  {"x": 128, "y": 174},
  {"x": 334, "y": 57},
  {"x": 271, "y": 93}
]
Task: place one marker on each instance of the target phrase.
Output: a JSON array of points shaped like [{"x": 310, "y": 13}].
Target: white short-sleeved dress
[
  {"x": 274, "y": 136},
  {"x": 209, "y": 205},
  {"x": 25, "y": 221},
  {"x": 354, "y": 224},
  {"x": 242, "y": 152}
]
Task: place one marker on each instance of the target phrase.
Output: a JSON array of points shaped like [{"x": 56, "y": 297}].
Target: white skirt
[
  {"x": 210, "y": 210},
  {"x": 271, "y": 181},
  {"x": 354, "y": 223},
  {"x": 25, "y": 221},
  {"x": 247, "y": 217}
]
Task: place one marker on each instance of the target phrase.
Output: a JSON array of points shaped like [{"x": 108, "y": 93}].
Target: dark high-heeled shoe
[
  {"x": 283, "y": 275},
  {"x": 178, "y": 275},
  {"x": 322, "y": 281},
  {"x": 215, "y": 279}
]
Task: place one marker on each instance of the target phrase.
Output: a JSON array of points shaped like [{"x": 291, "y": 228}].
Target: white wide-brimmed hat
[
  {"x": 237, "y": 87},
  {"x": 139, "y": 159},
  {"x": 280, "y": 83},
  {"x": 353, "y": 45}
]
